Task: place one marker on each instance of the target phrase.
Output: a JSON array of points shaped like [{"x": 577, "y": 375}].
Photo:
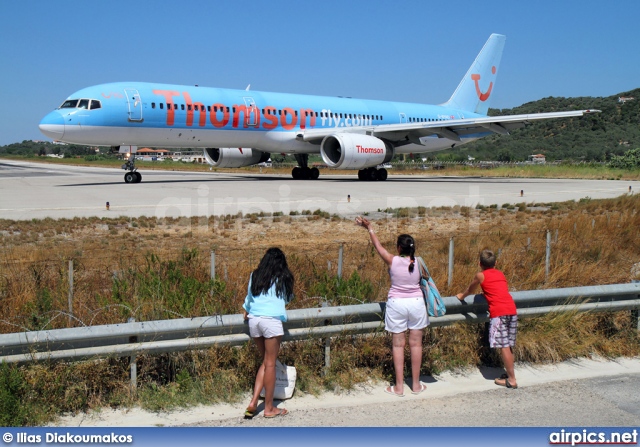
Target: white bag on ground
[{"x": 285, "y": 381}]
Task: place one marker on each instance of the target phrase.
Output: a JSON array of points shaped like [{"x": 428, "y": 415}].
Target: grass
[
  {"x": 150, "y": 268},
  {"x": 562, "y": 170}
]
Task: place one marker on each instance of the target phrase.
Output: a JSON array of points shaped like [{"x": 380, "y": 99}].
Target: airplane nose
[{"x": 52, "y": 125}]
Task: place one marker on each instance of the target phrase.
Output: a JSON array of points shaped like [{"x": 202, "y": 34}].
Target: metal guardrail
[{"x": 154, "y": 337}]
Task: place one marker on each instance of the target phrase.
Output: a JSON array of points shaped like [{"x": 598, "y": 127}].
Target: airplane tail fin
[{"x": 474, "y": 91}]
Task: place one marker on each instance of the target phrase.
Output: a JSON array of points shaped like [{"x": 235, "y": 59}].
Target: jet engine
[
  {"x": 355, "y": 151},
  {"x": 234, "y": 157}
]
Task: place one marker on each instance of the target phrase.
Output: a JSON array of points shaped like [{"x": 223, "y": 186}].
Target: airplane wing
[{"x": 454, "y": 129}]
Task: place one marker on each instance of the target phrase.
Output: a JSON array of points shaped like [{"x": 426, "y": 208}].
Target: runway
[{"x": 36, "y": 191}]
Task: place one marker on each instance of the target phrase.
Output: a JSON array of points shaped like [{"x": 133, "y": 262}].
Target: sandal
[
  {"x": 282, "y": 412},
  {"x": 392, "y": 390},
  {"x": 505, "y": 382},
  {"x": 422, "y": 388},
  {"x": 250, "y": 412}
]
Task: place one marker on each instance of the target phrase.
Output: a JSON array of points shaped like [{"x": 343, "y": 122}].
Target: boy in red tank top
[{"x": 503, "y": 324}]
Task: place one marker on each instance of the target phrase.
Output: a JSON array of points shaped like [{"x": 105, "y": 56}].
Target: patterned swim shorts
[{"x": 502, "y": 331}]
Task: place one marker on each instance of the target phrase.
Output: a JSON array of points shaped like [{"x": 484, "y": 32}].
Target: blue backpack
[{"x": 435, "y": 304}]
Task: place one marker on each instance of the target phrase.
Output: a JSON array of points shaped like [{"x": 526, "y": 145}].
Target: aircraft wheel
[
  {"x": 296, "y": 173},
  {"x": 138, "y": 177},
  {"x": 314, "y": 174},
  {"x": 361, "y": 174},
  {"x": 130, "y": 177},
  {"x": 305, "y": 173},
  {"x": 382, "y": 174},
  {"x": 372, "y": 174}
]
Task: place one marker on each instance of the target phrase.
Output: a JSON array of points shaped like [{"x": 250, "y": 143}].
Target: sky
[{"x": 399, "y": 50}]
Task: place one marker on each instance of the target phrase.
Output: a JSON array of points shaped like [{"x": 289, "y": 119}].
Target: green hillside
[{"x": 594, "y": 137}]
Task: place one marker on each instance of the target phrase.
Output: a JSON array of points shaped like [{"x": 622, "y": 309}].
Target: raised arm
[{"x": 384, "y": 254}]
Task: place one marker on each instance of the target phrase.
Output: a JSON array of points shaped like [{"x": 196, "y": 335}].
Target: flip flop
[
  {"x": 422, "y": 388},
  {"x": 250, "y": 412},
  {"x": 282, "y": 412},
  {"x": 392, "y": 390},
  {"x": 504, "y": 382}
]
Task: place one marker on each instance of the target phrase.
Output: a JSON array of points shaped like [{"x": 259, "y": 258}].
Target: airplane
[{"x": 237, "y": 128}]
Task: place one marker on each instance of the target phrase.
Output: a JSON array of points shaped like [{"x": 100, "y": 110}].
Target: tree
[
  {"x": 629, "y": 160},
  {"x": 505, "y": 155}
]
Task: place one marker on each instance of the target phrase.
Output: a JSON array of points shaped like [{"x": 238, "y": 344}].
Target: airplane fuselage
[{"x": 176, "y": 116}]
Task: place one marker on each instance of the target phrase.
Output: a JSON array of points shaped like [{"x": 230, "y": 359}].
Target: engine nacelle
[
  {"x": 234, "y": 157},
  {"x": 355, "y": 151}
]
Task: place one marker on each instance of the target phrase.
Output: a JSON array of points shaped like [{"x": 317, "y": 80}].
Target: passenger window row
[
  {"x": 424, "y": 120},
  {"x": 267, "y": 111}
]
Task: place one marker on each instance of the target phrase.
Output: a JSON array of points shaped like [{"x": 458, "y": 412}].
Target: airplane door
[
  {"x": 403, "y": 118},
  {"x": 134, "y": 104},
  {"x": 251, "y": 117}
]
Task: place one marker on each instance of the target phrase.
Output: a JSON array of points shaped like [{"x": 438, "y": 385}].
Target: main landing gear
[
  {"x": 303, "y": 172},
  {"x": 133, "y": 176},
  {"x": 370, "y": 174}
]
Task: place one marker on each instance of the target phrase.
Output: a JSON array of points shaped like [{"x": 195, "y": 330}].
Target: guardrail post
[
  {"x": 133, "y": 366},
  {"x": 327, "y": 347},
  {"x": 213, "y": 265},
  {"x": 450, "y": 273},
  {"x": 340, "y": 252},
  {"x": 635, "y": 313},
  {"x": 548, "y": 256},
  {"x": 635, "y": 316},
  {"x": 70, "y": 290}
]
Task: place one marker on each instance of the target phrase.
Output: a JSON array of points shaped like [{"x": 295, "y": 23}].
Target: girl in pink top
[{"x": 405, "y": 310}]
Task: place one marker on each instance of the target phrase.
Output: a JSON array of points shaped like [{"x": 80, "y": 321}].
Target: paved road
[
  {"x": 580, "y": 393},
  {"x": 31, "y": 190}
]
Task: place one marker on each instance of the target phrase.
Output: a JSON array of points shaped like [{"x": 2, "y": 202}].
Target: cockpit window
[
  {"x": 81, "y": 104},
  {"x": 69, "y": 104}
]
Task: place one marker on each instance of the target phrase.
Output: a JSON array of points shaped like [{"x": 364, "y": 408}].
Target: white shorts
[
  {"x": 267, "y": 327},
  {"x": 405, "y": 313}
]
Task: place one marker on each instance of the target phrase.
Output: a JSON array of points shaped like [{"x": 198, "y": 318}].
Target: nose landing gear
[{"x": 133, "y": 176}]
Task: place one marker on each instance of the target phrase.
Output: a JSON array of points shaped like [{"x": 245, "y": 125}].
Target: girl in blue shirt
[{"x": 270, "y": 289}]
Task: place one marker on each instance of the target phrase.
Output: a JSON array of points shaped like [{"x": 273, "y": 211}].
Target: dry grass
[{"x": 151, "y": 269}]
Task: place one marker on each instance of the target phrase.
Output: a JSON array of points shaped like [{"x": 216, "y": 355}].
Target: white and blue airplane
[{"x": 239, "y": 128}]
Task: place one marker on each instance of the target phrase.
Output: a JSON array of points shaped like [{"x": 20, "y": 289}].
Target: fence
[
  {"x": 550, "y": 238},
  {"x": 164, "y": 336},
  {"x": 151, "y": 269}
]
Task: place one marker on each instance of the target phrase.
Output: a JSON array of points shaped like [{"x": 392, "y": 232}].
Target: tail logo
[{"x": 483, "y": 96}]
